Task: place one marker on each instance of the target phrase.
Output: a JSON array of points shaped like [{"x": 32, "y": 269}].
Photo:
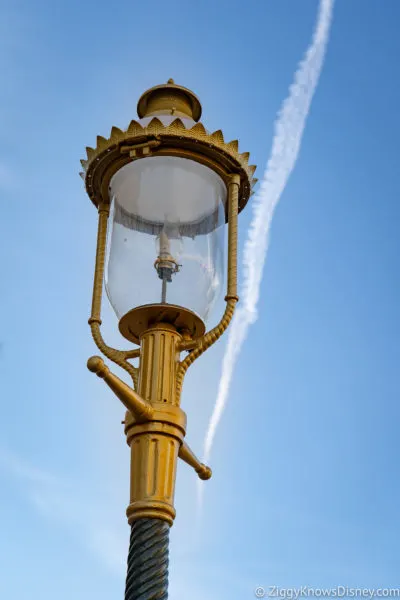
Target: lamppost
[{"x": 168, "y": 186}]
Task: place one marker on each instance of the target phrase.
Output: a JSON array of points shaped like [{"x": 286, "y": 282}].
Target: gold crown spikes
[
  {"x": 233, "y": 146},
  {"x": 199, "y": 131},
  {"x": 217, "y": 138},
  {"x": 176, "y": 139},
  {"x": 134, "y": 128}
]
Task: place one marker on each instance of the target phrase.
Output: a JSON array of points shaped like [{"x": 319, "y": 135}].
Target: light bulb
[{"x": 169, "y": 247}]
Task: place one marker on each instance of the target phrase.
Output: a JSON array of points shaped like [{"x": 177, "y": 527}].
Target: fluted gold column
[{"x": 155, "y": 444}]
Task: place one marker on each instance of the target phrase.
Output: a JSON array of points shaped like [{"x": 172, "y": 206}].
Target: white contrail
[{"x": 289, "y": 128}]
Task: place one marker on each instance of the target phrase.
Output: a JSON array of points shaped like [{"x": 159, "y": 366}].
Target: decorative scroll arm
[
  {"x": 231, "y": 297},
  {"x": 119, "y": 357}
]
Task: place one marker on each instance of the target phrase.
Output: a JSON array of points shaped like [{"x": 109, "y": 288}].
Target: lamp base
[{"x": 139, "y": 319}]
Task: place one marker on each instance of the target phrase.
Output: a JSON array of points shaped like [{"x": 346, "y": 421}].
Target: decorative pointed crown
[{"x": 164, "y": 135}]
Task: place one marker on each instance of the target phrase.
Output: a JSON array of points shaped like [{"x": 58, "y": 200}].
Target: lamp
[{"x": 168, "y": 187}]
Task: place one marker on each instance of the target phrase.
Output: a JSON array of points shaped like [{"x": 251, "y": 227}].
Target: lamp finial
[{"x": 169, "y": 99}]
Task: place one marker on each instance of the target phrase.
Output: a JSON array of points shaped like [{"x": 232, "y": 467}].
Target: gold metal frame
[{"x": 155, "y": 425}]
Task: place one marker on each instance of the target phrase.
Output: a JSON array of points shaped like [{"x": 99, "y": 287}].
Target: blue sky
[{"x": 305, "y": 488}]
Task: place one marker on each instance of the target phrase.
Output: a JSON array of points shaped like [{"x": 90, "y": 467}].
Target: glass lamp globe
[{"x": 166, "y": 239}]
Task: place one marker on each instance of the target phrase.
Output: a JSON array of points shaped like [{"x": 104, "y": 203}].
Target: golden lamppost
[{"x": 168, "y": 187}]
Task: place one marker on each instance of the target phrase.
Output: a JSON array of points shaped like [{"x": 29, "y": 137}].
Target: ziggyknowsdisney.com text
[{"x": 339, "y": 591}]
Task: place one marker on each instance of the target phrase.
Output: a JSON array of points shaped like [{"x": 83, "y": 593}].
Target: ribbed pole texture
[{"x": 147, "y": 577}]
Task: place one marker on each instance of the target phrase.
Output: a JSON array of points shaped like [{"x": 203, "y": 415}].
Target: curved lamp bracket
[
  {"x": 200, "y": 346},
  {"x": 119, "y": 357}
]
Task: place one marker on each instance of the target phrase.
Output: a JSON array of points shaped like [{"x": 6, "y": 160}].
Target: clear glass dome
[{"x": 166, "y": 236}]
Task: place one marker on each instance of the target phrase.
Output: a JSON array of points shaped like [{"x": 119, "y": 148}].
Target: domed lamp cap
[{"x": 169, "y": 99}]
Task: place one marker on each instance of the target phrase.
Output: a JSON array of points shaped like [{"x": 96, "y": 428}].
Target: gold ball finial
[
  {"x": 204, "y": 472},
  {"x": 95, "y": 364},
  {"x": 169, "y": 99}
]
